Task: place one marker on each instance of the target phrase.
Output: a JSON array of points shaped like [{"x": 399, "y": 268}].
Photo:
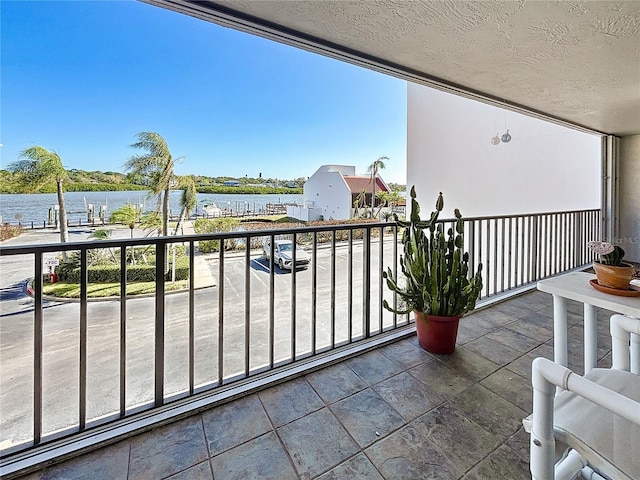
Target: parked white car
[{"x": 283, "y": 254}]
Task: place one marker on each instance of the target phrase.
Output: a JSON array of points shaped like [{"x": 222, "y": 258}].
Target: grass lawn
[{"x": 100, "y": 290}]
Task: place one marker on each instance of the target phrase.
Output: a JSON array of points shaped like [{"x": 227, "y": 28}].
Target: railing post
[
  {"x": 574, "y": 239},
  {"x": 580, "y": 238},
  {"x": 82, "y": 414},
  {"x": 350, "y": 287},
  {"x": 518, "y": 258},
  {"x": 495, "y": 255},
  {"x": 488, "y": 259},
  {"x": 510, "y": 284},
  {"x": 395, "y": 271},
  {"x": 192, "y": 288},
  {"x": 366, "y": 282},
  {"x": 37, "y": 350},
  {"x": 221, "y": 310},
  {"x": 565, "y": 242},
  {"x": 534, "y": 248},
  {"x": 123, "y": 329},
  {"x": 159, "y": 325},
  {"x": 247, "y": 303},
  {"x": 293, "y": 298},
  {"x": 333, "y": 289},
  {"x": 547, "y": 248},
  {"x": 471, "y": 248},
  {"x": 380, "y": 279},
  {"x": 314, "y": 291},
  {"x": 503, "y": 254}
]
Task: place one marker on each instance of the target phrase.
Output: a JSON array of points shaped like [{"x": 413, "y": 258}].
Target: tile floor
[{"x": 393, "y": 413}]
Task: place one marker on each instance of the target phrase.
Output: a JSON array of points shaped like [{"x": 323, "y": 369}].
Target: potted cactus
[
  {"x": 435, "y": 282},
  {"x": 610, "y": 270}
]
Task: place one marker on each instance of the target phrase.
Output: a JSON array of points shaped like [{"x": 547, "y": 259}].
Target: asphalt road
[{"x": 238, "y": 332}]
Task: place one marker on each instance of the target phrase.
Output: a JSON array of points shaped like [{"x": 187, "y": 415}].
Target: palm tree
[
  {"x": 102, "y": 234},
  {"x": 373, "y": 169},
  {"x": 388, "y": 199},
  {"x": 156, "y": 163},
  {"x": 188, "y": 199},
  {"x": 152, "y": 223},
  {"x": 127, "y": 214},
  {"x": 37, "y": 167}
]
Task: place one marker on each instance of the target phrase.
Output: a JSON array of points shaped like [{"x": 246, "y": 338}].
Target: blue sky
[{"x": 82, "y": 78}]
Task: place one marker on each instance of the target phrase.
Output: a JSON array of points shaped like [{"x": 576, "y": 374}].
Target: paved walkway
[
  {"x": 393, "y": 413},
  {"x": 203, "y": 276}
]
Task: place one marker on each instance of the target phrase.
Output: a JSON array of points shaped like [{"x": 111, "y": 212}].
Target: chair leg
[
  {"x": 635, "y": 352},
  {"x": 569, "y": 466},
  {"x": 625, "y": 343},
  {"x": 545, "y": 376},
  {"x": 542, "y": 443}
]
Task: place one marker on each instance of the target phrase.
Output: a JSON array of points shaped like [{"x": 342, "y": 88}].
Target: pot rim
[
  {"x": 425, "y": 315},
  {"x": 622, "y": 265}
]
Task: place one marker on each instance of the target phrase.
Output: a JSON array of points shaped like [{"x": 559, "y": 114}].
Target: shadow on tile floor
[{"x": 393, "y": 413}]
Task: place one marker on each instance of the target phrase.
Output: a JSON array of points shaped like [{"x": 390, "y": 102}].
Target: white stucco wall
[
  {"x": 327, "y": 190},
  {"x": 543, "y": 168},
  {"x": 343, "y": 169},
  {"x": 629, "y": 184},
  {"x": 304, "y": 213}
]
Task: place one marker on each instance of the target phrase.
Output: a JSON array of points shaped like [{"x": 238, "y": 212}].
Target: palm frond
[
  {"x": 156, "y": 163},
  {"x": 37, "y": 167},
  {"x": 189, "y": 198}
]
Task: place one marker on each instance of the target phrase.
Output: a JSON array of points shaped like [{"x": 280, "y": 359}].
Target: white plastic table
[{"x": 575, "y": 286}]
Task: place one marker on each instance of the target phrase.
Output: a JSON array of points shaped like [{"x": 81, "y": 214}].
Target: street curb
[{"x": 30, "y": 292}]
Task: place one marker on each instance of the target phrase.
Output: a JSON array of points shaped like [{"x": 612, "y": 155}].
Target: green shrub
[
  {"x": 65, "y": 270},
  {"x": 182, "y": 269},
  {"x": 215, "y": 225},
  {"x": 343, "y": 235},
  {"x": 69, "y": 271}
]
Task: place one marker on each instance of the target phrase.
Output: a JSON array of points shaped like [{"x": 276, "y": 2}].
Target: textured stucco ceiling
[{"x": 575, "y": 60}]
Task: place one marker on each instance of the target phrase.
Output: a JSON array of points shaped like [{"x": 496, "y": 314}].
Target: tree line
[{"x": 97, "y": 181}]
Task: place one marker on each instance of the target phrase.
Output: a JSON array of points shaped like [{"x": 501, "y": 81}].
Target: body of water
[{"x": 35, "y": 207}]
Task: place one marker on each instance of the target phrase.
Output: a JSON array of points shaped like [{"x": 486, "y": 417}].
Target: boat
[{"x": 210, "y": 209}]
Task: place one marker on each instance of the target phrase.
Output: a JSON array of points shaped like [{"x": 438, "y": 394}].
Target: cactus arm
[{"x": 434, "y": 266}]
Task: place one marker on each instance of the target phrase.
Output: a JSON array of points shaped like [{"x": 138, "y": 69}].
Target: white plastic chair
[
  {"x": 625, "y": 343},
  {"x": 593, "y": 427}
]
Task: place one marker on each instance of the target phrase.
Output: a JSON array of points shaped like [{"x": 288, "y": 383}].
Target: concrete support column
[
  {"x": 628, "y": 236},
  {"x": 610, "y": 188}
]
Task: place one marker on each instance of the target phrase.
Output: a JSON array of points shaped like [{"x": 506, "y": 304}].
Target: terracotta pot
[
  {"x": 437, "y": 334},
  {"x": 612, "y": 276}
]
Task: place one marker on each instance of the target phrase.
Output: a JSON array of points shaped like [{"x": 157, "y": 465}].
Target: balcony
[
  {"x": 392, "y": 412},
  {"x": 308, "y": 377}
]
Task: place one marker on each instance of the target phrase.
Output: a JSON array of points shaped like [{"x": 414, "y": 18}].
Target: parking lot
[{"x": 244, "y": 326}]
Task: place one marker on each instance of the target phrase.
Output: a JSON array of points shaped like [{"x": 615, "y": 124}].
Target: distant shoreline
[
  {"x": 249, "y": 190},
  {"x": 82, "y": 187},
  {"x": 207, "y": 189}
]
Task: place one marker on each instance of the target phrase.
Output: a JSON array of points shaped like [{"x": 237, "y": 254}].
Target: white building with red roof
[{"x": 331, "y": 192}]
